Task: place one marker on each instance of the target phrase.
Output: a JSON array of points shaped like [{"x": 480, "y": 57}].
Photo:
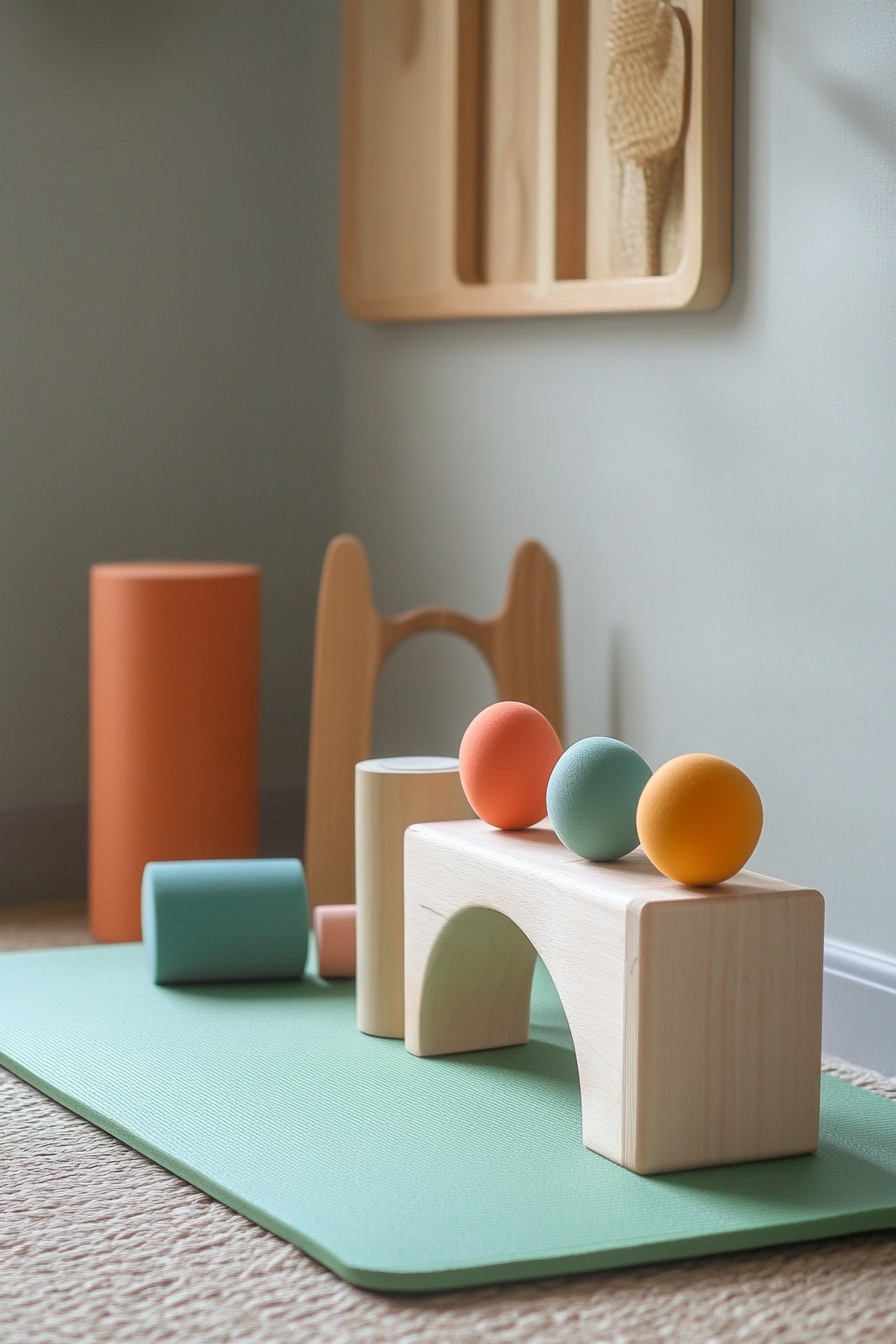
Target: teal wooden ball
[{"x": 593, "y": 797}]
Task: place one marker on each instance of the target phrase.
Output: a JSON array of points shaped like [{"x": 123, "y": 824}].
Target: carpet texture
[{"x": 99, "y": 1243}]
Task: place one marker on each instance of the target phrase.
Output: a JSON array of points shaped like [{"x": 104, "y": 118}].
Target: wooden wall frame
[{"x": 478, "y": 177}]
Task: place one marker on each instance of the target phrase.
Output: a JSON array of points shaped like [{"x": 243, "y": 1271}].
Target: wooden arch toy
[
  {"x": 352, "y": 641},
  {"x": 695, "y": 1013}
]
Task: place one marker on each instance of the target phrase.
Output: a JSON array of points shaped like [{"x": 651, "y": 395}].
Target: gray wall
[
  {"x": 719, "y": 490},
  {"x": 175, "y": 379},
  {"x": 170, "y": 350}
]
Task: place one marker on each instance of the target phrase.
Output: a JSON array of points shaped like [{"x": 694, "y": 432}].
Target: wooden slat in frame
[
  {"x": 471, "y": 58},
  {"x": 572, "y": 138},
  {"x": 398, "y": 146}
]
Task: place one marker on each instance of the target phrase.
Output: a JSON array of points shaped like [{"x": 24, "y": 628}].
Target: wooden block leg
[
  {"x": 695, "y": 1013},
  {"x": 346, "y": 662},
  {"x": 390, "y": 795},
  {"x": 724, "y": 1058}
]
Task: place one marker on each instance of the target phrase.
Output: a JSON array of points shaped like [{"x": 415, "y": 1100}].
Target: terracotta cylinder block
[{"x": 174, "y": 711}]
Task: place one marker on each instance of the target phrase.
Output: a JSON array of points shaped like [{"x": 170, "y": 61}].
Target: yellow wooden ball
[{"x": 699, "y": 819}]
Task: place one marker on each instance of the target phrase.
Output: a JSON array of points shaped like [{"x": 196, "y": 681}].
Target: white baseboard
[
  {"x": 860, "y": 1006},
  {"x": 43, "y": 850}
]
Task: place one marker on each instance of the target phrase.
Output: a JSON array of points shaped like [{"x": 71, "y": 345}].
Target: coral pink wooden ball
[{"x": 506, "y": 758}]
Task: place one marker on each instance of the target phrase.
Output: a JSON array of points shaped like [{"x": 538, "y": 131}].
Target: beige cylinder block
[{"x": 391, "y": 795}]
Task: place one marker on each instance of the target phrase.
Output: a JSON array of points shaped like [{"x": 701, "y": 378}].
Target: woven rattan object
[{"x": 647, "y": 98}]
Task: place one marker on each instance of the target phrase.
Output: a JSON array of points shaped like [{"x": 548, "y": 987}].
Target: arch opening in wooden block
[
  {"x": 429, "y": 688},
  {"x": 476, "y": 986}
]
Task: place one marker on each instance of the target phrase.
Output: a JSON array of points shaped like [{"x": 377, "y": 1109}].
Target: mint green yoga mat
[{"x": 402, "y": 1173}]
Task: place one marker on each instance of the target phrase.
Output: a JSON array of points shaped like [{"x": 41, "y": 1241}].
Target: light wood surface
[
  {"x": 723, "y": 1057},
  {"x": 521, "y": 644},
  {"x": 390, "y": 795},
  {"x": 572, "y": 139},
  {"x": 520, "y": 84},
  {"x": 513, "y": 116},
  {"x": 398, "y": 109},
  {"x": 695, "y": 1013},
  {"x": 469, "y": 244},
  {"x": 477, "y": 173}
]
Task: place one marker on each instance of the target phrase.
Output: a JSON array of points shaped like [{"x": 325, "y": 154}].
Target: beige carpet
[{"x": 98, "y": 1243}]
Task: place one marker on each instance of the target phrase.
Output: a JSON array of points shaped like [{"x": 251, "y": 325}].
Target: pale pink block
[{"x": 334, "y": 929}]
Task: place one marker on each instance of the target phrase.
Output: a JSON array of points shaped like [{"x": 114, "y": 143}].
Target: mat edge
[{"x": 511, "y": 1271}]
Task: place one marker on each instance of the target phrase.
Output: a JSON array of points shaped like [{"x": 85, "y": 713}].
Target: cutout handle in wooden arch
[{"x": 352, "y": 640}]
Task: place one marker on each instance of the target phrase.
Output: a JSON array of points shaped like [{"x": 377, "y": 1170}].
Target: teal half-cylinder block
[{"x": 225, "y": 919}]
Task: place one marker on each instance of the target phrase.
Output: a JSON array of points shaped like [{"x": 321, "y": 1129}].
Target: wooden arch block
[
  {"x": 695, "y": 1012},
  {"x": 352, "y": 641}
]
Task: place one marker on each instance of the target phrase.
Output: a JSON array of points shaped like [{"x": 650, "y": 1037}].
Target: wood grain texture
[
  {"x": 346, "y": 665},
  {"x": 695, "y": 1013},
  {"x": 473, "y": 241},
  {"x": 712, "y": 107},
  {"x": 521, "y": 644},
  {"x": 572, "y": 139},
  {"x": 723, "y": 1040},
  {"x": 391, "y": 795},
  {"x": 469, "y": 221},
  {"x": 399, "y": 62},
  {"x": 519, "y": 113},
  {"x": 512, "y": 124}
]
